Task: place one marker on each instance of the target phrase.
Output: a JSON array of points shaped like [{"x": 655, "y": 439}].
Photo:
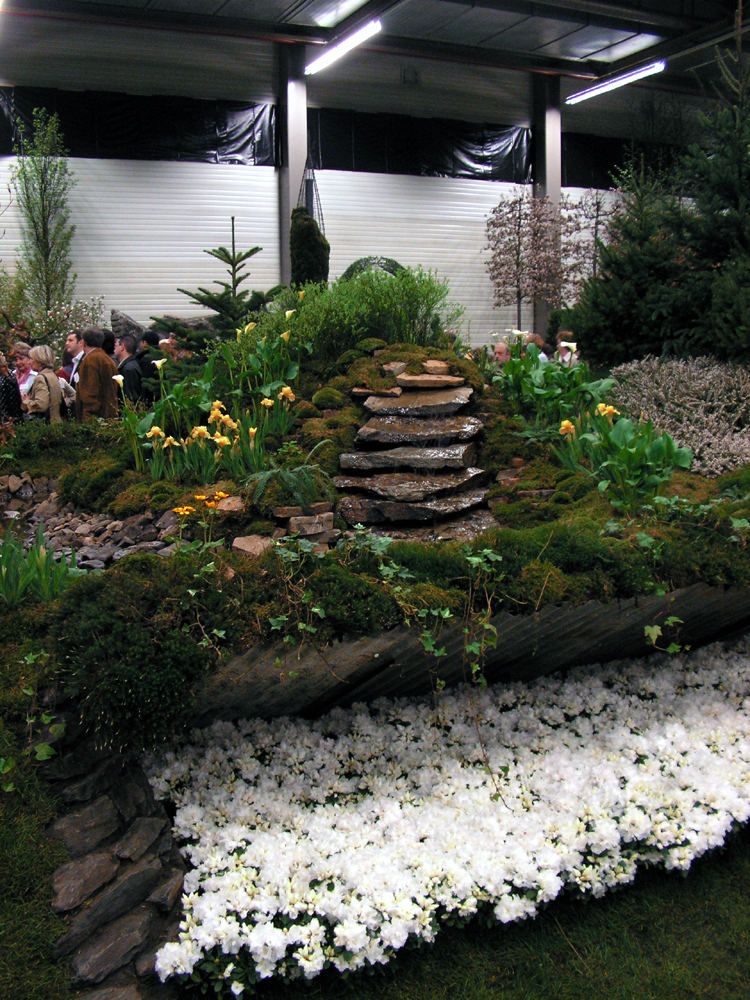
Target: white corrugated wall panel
[
  {"x": 436, "y": 222},
  {"x": 142, "y": 228}
]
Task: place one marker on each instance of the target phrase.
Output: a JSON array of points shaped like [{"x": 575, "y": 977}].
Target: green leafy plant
[
  {"x": 654, "y": 633},
  {"x": 32, "y": 572},
  {"x": 631, "y": 461},
  {"x": 293, "y": 475},
  {"x": 545, "y": 393}
]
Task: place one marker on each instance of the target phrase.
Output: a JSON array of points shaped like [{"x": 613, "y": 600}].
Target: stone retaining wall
[{"x": 121, "y": 889}]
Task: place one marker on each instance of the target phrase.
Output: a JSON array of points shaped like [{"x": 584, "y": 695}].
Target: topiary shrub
[
  {"x": 372, "y": 263},
  {"x": 309, "y": 249}
]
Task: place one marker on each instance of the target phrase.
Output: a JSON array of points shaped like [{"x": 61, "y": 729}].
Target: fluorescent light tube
[
  {"x": 616, "y": 81},
  {"x": 335, "y": 52}
]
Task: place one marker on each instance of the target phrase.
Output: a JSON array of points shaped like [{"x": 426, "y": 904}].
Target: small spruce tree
[{"x": 230, "y": 302}]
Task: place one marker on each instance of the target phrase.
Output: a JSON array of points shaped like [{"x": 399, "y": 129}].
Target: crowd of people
[
  {"x": 564, "y": 353},
  {"x": 32, "y": 387}
]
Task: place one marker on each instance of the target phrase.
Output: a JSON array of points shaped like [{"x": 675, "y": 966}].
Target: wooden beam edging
[{"x": 394, "y": 664}]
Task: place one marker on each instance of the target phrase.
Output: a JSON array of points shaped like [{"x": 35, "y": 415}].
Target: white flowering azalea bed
[{"x": 334, "y": 842}]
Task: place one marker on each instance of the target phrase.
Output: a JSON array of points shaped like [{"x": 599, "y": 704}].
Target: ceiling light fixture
[
  {"x": 616, "y": 81},
  {"x": 339, "y": 49}
]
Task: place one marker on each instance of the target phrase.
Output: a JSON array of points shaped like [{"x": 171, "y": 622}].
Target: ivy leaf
[{"x": 652, "y": 633}]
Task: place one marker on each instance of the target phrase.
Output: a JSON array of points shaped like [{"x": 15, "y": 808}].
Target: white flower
[
  {"x": 119, "y": 379},
  {"x": 351, "y": 831}
]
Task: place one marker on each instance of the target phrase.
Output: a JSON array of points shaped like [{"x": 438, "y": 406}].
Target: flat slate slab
[
  {"x": 410, "y": 486},
  {"x": 415, "y": 430},
  {"x": 393, "y": 664},
  {"x": 429, "y": 403},
  {"x": 435, "y": 367},
  {"x": 368, "y": 510},
  {"x": 362, "y": 392},
  {"x": 429, "y": 381},
  {"x": 451, "y": 456}
]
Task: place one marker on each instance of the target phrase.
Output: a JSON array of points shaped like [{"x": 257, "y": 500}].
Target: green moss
[
  {"x": 304, "y": 410},
  {"x": 139, "y": 495},
  {"x": 28, "y": 857},
  {"x": 93, "y": 483},
  {"x": 543, "y": 581},
  {"x": 370, "y": 344},
  {"x": 428, "y": 596},
  {"x": 146, "y": 641},
  {"x": 369, "y": 372},
  {"x": 329, "y": 399},
  {"x": 738, "y": 480},
  {"x": 346, "y": 359},
  {"x": 353, "y": 604},
  {"x": 342, "y": 383}
]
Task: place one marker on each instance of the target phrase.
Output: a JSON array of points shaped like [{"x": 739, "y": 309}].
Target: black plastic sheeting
[
  {"x": 589, "y": 160},
  {"x": 107, "y": 125},
  {"x": 426, "y": 147},
  {"x": 121, "y": 126}
]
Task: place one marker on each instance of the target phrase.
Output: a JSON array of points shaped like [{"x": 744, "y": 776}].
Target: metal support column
[
  {"x": 292, "y": 123},
  {"x": 547, "y": 163}
]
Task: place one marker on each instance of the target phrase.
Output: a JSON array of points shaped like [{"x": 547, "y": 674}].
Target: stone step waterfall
[{"x": 416, "y": 454}]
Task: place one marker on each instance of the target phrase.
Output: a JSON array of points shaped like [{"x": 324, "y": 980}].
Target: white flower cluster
[
  {"x": 334, "y": 842},
  {"x": 703, "y": 404}
]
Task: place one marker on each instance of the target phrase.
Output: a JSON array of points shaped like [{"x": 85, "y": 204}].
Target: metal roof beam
[{"x": 610, "y": 15}]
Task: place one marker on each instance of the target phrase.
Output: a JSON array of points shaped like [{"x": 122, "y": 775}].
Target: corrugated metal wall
[
  {"x": 142, "y": 227},
  {"x": 435, "y": 222}
]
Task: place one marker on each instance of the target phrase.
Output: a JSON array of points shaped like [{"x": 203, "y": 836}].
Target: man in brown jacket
[{"x": 96, "y": 393}]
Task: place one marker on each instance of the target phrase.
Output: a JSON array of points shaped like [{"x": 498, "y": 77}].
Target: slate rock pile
[
  {"x": 121, "y": 888},
  {"x": 416, "y": 454}
]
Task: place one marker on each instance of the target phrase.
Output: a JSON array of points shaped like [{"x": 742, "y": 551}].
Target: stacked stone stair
[{"x": 416, "y": 454}]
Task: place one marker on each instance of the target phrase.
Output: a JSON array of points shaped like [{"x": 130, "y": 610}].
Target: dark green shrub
[{"x": 409, "y": 307}]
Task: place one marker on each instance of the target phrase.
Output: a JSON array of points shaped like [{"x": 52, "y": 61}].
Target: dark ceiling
[{"x": 582, "y": 39}]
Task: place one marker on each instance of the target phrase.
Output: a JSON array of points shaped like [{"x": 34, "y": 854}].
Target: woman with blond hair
[{"x": 43, "y": 401}]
